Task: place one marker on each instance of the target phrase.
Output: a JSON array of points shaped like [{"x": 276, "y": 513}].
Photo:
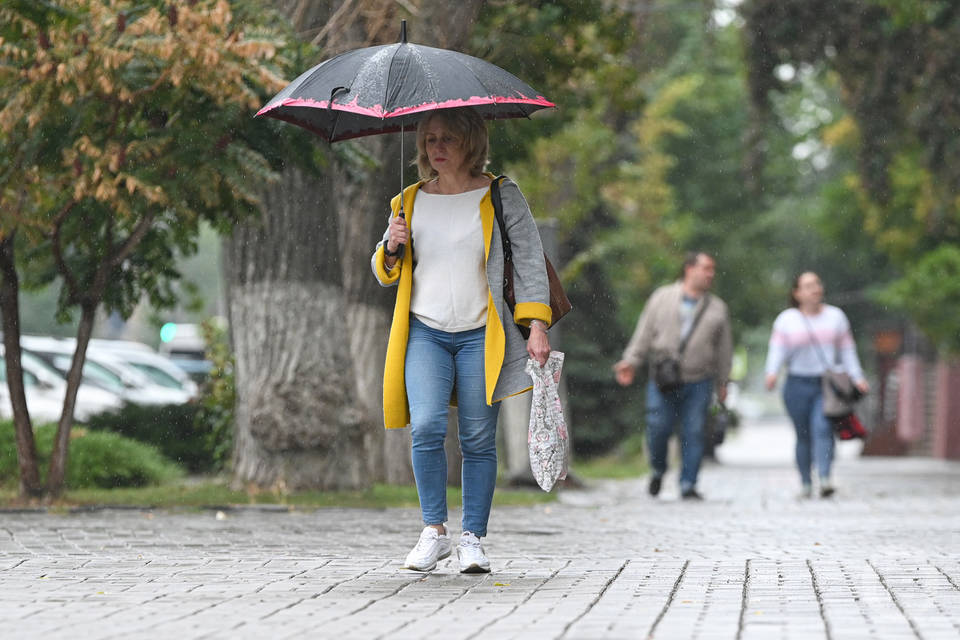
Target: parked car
[
  {"x": 45, "y": 389},
  {"x": 104, "y": 370},
  {"x": 160, "y": 369},
  {"x": 186, "y": 348}
]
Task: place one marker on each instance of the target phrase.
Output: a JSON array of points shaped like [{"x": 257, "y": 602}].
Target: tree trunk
[
  {"x": 61, "y": 443},
  {"x": 308, "y": 321},
  {"x": 30, "y": 485},
  {"x": 299, "y": 420}
]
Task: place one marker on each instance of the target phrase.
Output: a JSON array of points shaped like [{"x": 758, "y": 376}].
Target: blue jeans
[
  {"x": 438, "y": 361},
  {"x": 688, "y": 405},
  {"x": 803, "y": 396}
]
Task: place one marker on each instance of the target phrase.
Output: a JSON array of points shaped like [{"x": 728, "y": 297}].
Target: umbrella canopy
[{"x": 384, "y": 88}]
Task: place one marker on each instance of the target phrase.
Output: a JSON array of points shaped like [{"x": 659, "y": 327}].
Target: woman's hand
[
  {"x": 862, "y": 386},
  {"x": 624, "y": 372},
  {"x": 771, "y": 381},
  {"x": 538, "y": 345},
  {"x": 399, "y": 233}
]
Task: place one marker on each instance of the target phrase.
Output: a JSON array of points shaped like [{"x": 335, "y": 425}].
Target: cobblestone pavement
[{"x": 880, "y": 560}]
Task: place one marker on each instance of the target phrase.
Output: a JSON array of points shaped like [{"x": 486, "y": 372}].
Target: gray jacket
[{"x": 709, "y": 351}]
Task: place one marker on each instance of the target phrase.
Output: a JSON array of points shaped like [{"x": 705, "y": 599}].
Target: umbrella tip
[{"x": 403, "y": 31}]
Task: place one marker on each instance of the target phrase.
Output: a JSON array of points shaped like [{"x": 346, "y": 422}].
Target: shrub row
[{"x": 97, "y": 459}]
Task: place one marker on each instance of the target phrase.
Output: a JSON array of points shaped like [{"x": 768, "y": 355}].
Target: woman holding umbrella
[{"x": 452, "y": 338}]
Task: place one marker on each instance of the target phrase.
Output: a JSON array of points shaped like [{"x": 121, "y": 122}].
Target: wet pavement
[{"x": 879, "y": 560}]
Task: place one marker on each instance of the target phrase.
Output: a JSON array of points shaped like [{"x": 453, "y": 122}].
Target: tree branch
[
  {"x": 119, "y": 254},
  {"x": 62, "y": 268}
]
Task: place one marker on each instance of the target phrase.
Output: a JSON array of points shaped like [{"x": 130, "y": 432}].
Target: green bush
[
  {"x": 97, "y": 459},
  {"x": 218, "y": 395},
  {"x": 173, "y": 429}
]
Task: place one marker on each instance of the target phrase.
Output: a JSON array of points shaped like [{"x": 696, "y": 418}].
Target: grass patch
[
  {"x": 612, "y": 466},
  {"x": 211, "y": 494},
  {"x": 628, "y": 461}
]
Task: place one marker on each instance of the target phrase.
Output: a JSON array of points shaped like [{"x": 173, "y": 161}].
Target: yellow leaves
[
  {"x": 86, "y": 146},
  {"x": 221, "y": 14},
  {"x": 252, "y": 49},
  {"x": 105, "y": 83},
  {"x": 150, "y": 23},
  {"x": 843, "y": 132}
]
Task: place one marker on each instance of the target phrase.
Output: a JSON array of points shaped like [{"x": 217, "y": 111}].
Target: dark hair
[
  {"x": 796, "y": 285},
  {"x": 690, "y": 259}
]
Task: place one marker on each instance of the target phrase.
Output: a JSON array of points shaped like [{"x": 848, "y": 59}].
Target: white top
[
  {"x": 449, "y": 275},
  {"x": 791, "y": 342}
]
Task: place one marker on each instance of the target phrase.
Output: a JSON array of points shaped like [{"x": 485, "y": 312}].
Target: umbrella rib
[
  {"x": 480, "y": 82},
  {"x": 386, "y": 84}
]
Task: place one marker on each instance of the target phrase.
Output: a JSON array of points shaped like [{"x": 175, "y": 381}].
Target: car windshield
[
  {"x": 29, "y": 380},
  {"x": 35, "y": 362},
  {"x": 97, "y": 374}
]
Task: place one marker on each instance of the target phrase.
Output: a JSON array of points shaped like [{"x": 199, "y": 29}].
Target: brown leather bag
[{"x": 559, "y": 303}]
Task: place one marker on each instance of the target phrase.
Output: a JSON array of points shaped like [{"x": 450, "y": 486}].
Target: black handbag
[
  {"x": 666, "y": 370},
  {"x": 666, "y": 374},
  {"x": 559, "y": 303}
]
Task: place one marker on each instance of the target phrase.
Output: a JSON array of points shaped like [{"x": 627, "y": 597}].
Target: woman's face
[
  {"x": 444, "y": 149},
  {"x": 809, "y": 291}
]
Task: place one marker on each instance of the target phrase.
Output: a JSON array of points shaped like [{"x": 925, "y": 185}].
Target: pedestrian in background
[
  {"x": 685, "y": 323},
  {"x": 451, "y": 331},
  {"x": 808, "y": 337}
]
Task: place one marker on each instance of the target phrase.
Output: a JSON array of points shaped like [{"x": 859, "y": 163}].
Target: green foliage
[
  {"x": 173, "y": 429},
  {"x": 97, "y": 459},
  {"x": 126, "y": 124},
  {"x": 215, "y": 416},
  {"x": 929, "y": 292},
  {"x": 894, "y": 64}
]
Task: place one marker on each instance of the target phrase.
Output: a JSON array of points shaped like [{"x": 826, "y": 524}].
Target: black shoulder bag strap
[
  {"x": 693, "y": 327},
  {"x": 504, "y": 238},
  {"x": 498, "y": 213}
]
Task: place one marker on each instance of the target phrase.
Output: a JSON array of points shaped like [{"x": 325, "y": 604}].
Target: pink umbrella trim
[{"x": 378, "y": 111}]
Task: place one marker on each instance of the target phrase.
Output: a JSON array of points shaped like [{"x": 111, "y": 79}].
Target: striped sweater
[{"x": 792, "y": 342}]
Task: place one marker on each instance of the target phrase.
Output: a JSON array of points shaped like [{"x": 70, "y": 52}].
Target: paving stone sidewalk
[{"x": 881, "y": 560}]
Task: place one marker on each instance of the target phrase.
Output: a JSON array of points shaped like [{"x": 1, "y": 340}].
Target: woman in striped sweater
[{"x": 809, "y": 337}]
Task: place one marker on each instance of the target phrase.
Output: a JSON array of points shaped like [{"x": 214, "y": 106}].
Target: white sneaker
[
  {"x": 471, "y": 555},
  {"x": 431, "y": 547}
]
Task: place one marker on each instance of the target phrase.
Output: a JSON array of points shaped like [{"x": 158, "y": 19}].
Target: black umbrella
[{"x": 387, "y": 88}]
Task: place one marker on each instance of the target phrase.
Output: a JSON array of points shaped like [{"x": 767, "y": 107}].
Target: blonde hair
[{"x": 468, "y": 128}]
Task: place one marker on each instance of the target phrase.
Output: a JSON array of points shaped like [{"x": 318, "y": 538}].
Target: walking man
[{"x": 684, "y": 335}]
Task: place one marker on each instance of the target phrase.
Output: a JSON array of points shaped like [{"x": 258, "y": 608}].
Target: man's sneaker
[
  {"x": 691, "y": 494},
  {"x": 431, "y": 547},
  {"x": 807, "y": 492},
  {"x": 827, "y": 490},
  {"x": 655, "y": 483},
  {"x": 471, "y": 555}
]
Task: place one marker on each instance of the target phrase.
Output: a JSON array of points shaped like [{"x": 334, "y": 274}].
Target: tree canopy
[{"x": 124, "y": 125}]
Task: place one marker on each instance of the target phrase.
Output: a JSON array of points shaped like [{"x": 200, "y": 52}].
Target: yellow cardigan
[{"x": 396, "y": 410}]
